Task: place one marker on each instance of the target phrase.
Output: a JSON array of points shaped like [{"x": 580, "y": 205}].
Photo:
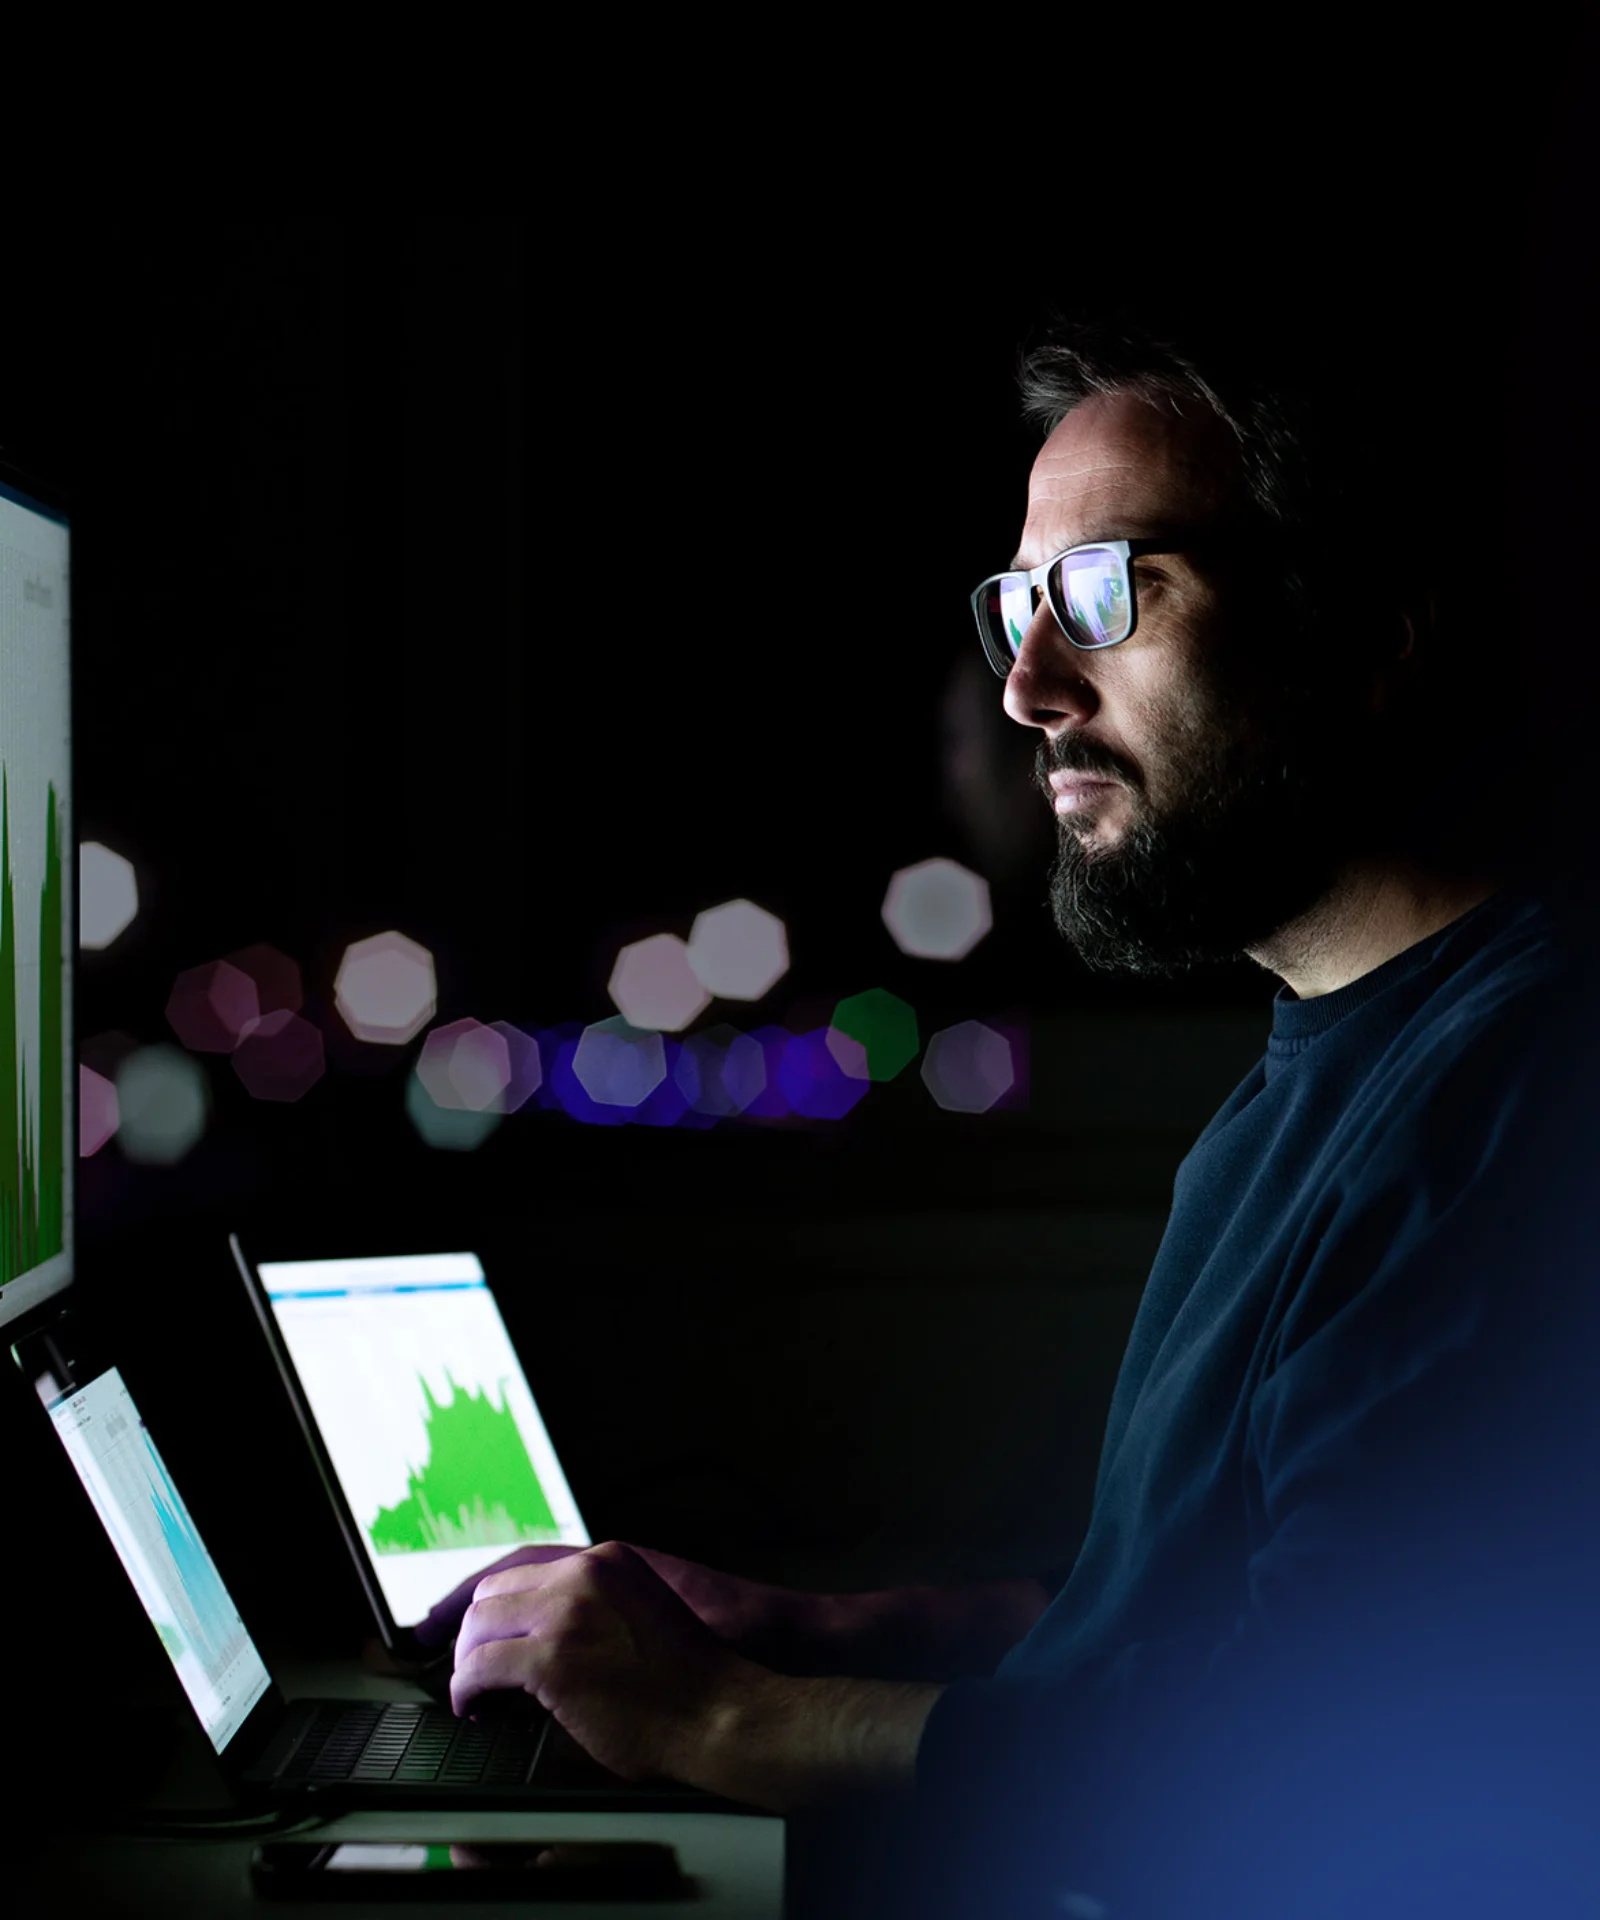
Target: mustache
[{"x": 1068, "y": 755}]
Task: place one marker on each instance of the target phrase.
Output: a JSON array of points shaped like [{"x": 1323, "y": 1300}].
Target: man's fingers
[
  {"x": 523, "y": 1579},
  {"x": 511, "y": 1615},
  {"x": 495, "y": 1664},
  {"x": 443, "y": 1619}
]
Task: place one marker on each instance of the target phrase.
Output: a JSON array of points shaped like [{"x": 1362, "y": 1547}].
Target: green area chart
[
  {"x": 32, "y": 1163},
  {"x": 478, "y": 1488}
]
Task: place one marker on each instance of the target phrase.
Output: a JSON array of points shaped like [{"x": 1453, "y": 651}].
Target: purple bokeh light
[
  {"x": 210, "y": 1008},
  {"x": 561, "y": 1087},
  {"x": 281, "y": 1056},
  {"x": 815, "y": 1082},
  {"x": 751, "y": 1073},
  {"x": 701, "y": 1073},
  {"x": 98, "y": 1115},
  {"x": 668, "y": 1104}
]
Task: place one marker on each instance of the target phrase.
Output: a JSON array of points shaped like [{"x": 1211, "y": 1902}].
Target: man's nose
[{"x": 1046, "y": 686}]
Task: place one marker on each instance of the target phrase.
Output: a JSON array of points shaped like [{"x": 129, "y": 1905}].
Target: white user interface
[
  {"x": 440, "y": 1452},
  {"x": 174, "y": 1576}
]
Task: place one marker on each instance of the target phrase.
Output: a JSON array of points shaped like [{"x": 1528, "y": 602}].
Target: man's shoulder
[
  {"x": 1498, "y": 1063},
  {"x": 1529, "y": 953}
]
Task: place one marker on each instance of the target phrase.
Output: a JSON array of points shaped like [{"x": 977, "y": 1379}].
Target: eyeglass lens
[{"x": 1089, "y": 585}]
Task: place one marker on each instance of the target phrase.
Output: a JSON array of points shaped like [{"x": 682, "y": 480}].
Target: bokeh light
[
  {"x": 884, "y": 1025},
  {"x": 824, "y": 1074},
  {"x": 210, "y": 1007},
  {"x": 562, "y": 1090},
  {"x": 738, "y": 951},
  {"x": 276, "y": 977},
  {"x": 452, "y": 1129},
  {"x": 667, "y": 1104},
  {"x": 751, "y": 1073},
  {"x": 700, "y": 1072},
  {"x": 618, "y": 1064},
  {"x": 969, "y": 1067},
  {"x": 385, "y": 991},
  {"x": 937, "y": 910},
  {"x": 104, "y": 1053},
  {"x": 164, "y": 1101},
  {"x": 281, "y": 1057},
  {"x": 108, "y": 895},
  {"x": 466, "y": 1066},
  {"x": 653, "y": 985},
  {"x": 527, "y": 1072},
  {"x": 97, "y": 1111}
]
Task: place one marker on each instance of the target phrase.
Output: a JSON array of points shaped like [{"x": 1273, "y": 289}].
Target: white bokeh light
[
  {"x": 466, "y": 1066},
  {"x": 653, "y": 985},
  {"x": 937, "y": 910},
  {"x": 108, "y": 895},
  {"x": 385, "y": 991},
  {"x": 738, "y": 951},
  {"x": 968, "y": 1068}
]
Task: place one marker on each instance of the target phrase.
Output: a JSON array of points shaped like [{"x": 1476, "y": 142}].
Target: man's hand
[
  {"x": 646, "y": 1688},
  {"x": 762, "y": 1622},
  {"x": 602, "y": 1642},
  {"x": 442, "y": 1622},
  {"x": 906, "y": 1633}
]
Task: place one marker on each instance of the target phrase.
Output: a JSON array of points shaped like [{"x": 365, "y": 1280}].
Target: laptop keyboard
[{"x": 406, "y": 1742}]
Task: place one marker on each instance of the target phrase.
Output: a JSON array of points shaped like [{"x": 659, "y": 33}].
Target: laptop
[
  {"x": 428, "y": 1440},
  {"x": 328, "y": 1753}
]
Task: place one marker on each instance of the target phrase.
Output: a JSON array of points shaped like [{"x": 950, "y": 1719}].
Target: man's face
[{"x": 1242, "y": 755}]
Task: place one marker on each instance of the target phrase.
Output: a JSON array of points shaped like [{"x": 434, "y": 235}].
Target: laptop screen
[
  {"x": 160, "y": 1549},
  {"x": 428, "y": 1422}
]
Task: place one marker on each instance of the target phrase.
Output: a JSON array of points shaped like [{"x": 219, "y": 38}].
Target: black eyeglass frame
[{"x": 1045, "y": 576}]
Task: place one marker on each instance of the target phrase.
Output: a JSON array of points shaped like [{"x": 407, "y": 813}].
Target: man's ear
[
  {"x": 1406, "y": 650},
  {"x": 1419, "y": 620}
]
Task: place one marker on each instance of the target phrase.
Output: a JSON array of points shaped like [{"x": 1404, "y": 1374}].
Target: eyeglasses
[{"x": 1090, "y": 591}]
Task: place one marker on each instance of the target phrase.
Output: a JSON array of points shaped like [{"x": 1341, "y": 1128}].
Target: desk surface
[{"x": 736, "y": 1860}]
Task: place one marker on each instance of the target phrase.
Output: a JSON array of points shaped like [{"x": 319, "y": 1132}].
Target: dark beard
[{"x": 1255, "y": 848}]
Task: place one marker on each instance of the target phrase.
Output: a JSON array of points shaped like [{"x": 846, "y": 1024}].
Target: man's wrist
[
  {"x": 923, "y": 1633},
  {"x": 781, "y": 1742}
]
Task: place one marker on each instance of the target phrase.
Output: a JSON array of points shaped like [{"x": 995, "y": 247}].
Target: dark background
[{"x": 530, "y": 582}]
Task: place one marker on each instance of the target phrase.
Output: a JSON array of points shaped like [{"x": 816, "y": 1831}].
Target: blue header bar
[
  {"x": 361, "y": 1293},
  {"x": 8, "y": 492}
]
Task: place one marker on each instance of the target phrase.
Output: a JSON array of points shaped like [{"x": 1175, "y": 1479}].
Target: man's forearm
[
  {"x": 781, "y": 1742},
  {"x": 924, "y": 1633},
  {"x": 903, "y": 1633}
]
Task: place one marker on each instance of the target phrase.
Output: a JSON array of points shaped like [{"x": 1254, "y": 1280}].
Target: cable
[{"x": 200, "y": 1823}]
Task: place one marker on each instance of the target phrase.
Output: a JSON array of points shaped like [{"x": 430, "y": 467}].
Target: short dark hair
[
  {"x": 1334, "y": 438},
  {"x": 1373, "y": 441}
]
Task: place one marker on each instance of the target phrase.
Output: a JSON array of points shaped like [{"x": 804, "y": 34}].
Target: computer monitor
[{"x": 38, "y": 920}]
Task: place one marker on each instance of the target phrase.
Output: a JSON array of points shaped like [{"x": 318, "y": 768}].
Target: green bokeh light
[{"x": 884, "y": 1025}]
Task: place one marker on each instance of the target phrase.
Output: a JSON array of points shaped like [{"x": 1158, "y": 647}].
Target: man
[{"x": 1320, "y": 1635}]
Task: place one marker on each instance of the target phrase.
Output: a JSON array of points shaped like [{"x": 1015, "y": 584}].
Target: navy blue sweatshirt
[{"x": 1332, "y": 1639}]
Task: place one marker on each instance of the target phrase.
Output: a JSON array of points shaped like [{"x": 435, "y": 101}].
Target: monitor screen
[{"x": 38, "y": 1105}]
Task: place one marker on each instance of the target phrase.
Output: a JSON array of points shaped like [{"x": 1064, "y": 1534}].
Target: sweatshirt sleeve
[{"x": 1401, "y": 1718}]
